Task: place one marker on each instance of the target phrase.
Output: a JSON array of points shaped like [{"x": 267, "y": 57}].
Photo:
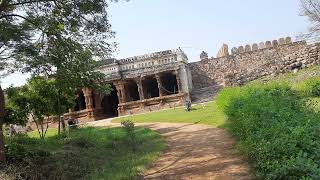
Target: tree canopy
[
  {"x": 311, "y": 9},
  {"x": 60, "y": 39},
  {"x": 66, "y": 39}
]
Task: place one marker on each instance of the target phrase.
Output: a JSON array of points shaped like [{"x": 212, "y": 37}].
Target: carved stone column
[
  {"x": 87, "y": 92},
  {"x": 159, "y": 85},
  {"x": 140, "y": 88},
  {"x": 120, "y": 91},
  {"x": 176, "y": 72},
  {"x": 88, "y": 97}
]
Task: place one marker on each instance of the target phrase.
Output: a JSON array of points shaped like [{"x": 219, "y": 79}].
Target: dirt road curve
[{"x": 196, "y": 152}]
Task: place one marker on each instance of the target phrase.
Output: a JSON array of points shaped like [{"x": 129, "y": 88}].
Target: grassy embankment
[{"x": 277, "y": 124}]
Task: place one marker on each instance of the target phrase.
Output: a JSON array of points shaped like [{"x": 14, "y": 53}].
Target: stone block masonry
[{"x": 250, "y": 62}]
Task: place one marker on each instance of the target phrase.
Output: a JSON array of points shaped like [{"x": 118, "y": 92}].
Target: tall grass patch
[
  {"x": 276, "y": 129},
  {"x": 85, "y": 153}
]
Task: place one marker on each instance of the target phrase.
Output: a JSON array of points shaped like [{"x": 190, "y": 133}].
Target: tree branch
[
  {"x": 28, "y": 2},
  {"x": 22, "y": 17}
]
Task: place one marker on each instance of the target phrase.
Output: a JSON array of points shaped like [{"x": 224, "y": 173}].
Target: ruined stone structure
[
  {"x": 165, "y": 79},
  {"x": 140, "y": 84},
  {"x": 250, "y": 62}
]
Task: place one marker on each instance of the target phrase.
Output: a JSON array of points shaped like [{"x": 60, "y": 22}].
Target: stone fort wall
[{"x": 250, "y": 62}]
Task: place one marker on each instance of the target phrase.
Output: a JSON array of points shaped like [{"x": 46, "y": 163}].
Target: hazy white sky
[{"x": 144, "y": 26}]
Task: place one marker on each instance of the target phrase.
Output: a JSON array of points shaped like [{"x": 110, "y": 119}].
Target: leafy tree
[
  {"x": 311, "y": 9},
  {"x": 39, "y": 95},
  {"x": 55, "y": 38},
  {"x": 38, "y": 99},
  {"x": 28, "y": 100},
  {"x": 58, "y": 100},
  {"x": 16, "y": 114}
]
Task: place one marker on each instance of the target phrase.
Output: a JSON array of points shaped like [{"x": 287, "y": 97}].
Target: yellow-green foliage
[
  {"x": 312, "y": 87},
  {"x": 50, "y": 132},
  {"x": 226, "y": 95}
]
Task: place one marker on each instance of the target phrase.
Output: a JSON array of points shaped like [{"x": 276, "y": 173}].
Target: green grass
[
  {"x": 50, "y": 132},
  {"x": 86, "y": 153},
  {"x": 203, "y": 114}
]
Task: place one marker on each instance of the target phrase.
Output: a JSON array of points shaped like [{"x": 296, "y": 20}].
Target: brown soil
[{"x": 196, "y": 152}]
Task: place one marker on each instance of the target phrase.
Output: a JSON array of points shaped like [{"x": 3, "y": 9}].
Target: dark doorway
[
  {"x": 93, "y": 95},
  {"x": 109, "y": 104},
  {"x": 169, "y": 84},
  {"x": 131, "y": 89},
  {"x": 150, "y": 87},
  {"x": 80, "y": 102}
]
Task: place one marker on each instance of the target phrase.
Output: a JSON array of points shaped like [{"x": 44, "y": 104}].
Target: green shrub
[
  {"x": 279, "y": 134},
  {"x": 313, "y": 86},
  {"x": 129, "y": 127}
]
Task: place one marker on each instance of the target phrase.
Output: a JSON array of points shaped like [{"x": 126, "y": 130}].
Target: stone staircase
[{"x": 204, "y": 94}]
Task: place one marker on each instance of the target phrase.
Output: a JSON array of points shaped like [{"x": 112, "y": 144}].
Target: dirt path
[{"x": 196, "y": 152}]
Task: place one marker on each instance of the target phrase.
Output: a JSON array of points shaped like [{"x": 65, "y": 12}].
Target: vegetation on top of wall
[
  {"x": 276, "y": 127},
  {"x": 294, "y": 79}
]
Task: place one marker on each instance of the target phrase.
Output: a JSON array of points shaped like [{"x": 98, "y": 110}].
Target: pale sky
[{"x": 144, "y": 26}]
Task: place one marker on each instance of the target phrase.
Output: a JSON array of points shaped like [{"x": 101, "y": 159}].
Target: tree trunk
[
  {"x": 59, "y": 125},
  {"x": 2, "y": 114},
  {"x": 60, "y": 115},
  {"x": 63, "y": 124}
]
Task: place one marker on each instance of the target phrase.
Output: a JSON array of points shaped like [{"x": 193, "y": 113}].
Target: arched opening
[
  {"x": 131, "y": 89},
  {"x": 80, "y": 102},
  {"x": 169, "y": 84},
  {"x": 109, "y": 104},
  {"x": 151, "y": 89}
]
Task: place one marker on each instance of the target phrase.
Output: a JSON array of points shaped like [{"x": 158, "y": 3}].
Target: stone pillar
[
  {"x": 120, "y": 91},
  {"x": 140, "y": 88},
  {"x": 159, "y": 85},
  {"x": 88, "y": 97},
  {"x": 121, "y": 96},
  {"x": 176, "y": 72}
]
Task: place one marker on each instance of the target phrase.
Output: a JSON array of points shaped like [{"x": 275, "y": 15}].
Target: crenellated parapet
[{"x": 261, "y": 46}]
